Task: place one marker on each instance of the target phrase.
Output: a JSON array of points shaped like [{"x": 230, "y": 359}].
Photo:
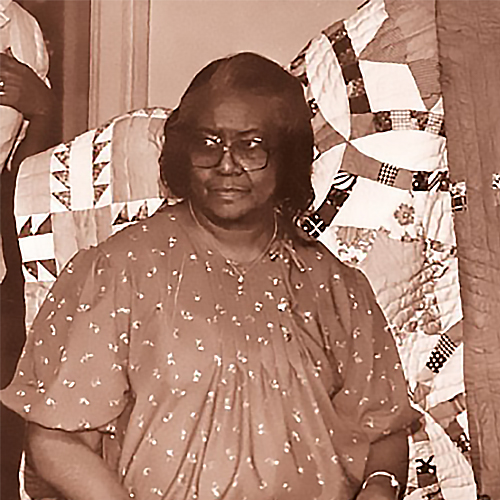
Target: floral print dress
[{"x": 207, "y": 384}]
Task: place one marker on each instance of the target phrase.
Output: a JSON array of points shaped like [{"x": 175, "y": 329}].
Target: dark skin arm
[
  {"x": 389, "y": 454},
  {"x": 23, "y": 89},
  {"x": 66, "y": 460},
  {"x": 70, "y": 462}
]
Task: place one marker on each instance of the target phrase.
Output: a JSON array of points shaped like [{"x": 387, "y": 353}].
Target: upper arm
[{"x": 41, "y": 439}]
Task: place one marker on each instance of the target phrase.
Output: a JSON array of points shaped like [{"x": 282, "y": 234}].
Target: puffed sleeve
[
  {"x": 72, "y": 373},
  {"x": 374, "y": 392}
]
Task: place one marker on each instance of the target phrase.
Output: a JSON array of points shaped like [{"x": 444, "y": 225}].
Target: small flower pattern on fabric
[
  {"x": 206, "y": 385},
  {"x": 405, "y": 214},
  {"x": 354, "y": 243}
]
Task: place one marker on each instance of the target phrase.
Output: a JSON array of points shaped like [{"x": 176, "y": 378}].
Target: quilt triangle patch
[
  {"x": 50, "y": 266},
  {"x": 99, "y": 131},
  {"x": 122, "y": 217},
  {"x": 426, "y": 73},
  {"x": 63, "y": 156},
  {"x": 140, "y": 112},
  {"x": 63, "y": 197},
  {"x": 97, "y": 168},
  {"x": 46, "y": 226},
  {"x": 388, "y": 45},
  {"x": 142, "y": 213},
  {"x": 26, "y": 229},
  {"x": 97, "y": 147},
  {"x": 32, "y": 268},
  {"x": 98, "y": 192},
  {"x": 62, "y": 176}
]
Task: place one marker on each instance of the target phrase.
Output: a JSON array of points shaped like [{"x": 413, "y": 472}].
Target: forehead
[{"x": 234, "y": 112}]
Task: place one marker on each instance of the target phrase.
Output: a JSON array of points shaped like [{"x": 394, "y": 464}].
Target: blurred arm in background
[{"x": 26, "y": 106}]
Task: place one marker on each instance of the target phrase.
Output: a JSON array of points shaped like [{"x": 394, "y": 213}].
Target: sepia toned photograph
[{"x": 250, "y": 250}]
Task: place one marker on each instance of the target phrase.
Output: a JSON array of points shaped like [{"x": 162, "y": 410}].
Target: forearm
[
  {"x": 70, "y": 465},
  {"x": 388, "y": 454}
]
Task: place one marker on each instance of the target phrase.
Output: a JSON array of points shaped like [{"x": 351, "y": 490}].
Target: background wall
[{"x": 187, "y": 34}]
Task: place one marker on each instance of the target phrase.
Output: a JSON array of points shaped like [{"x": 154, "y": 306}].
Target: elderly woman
[{"x": 214, "y": 351}]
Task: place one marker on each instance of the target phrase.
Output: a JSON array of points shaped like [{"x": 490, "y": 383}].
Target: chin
[
  {"x": 229, "y": 214},
  {"x": 233, "y": 213}
]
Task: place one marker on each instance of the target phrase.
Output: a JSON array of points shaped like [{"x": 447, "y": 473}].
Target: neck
[{"x": 238, "y": 241}]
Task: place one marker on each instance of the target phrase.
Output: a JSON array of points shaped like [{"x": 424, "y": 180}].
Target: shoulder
[
  {"x": 152, "y": 232},
  {"x": 133, "y": 247},
  {"x": 320, "y": 259},
  {"x": 324, "y": 267}
]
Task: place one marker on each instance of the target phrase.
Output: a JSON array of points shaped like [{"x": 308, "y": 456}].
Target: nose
[{"x": 227, "y": 165}]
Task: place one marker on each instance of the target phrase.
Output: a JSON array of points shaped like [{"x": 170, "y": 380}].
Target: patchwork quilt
[{"x": 384, "y": 203}]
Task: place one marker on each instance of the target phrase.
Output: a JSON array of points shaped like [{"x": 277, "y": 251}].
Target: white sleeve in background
[{"x": 21, "y": 35}]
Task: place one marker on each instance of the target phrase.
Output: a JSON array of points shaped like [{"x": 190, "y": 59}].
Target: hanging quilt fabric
[
  {"x": 77, "y": 194},
  {"x": 384, "y": 203}
]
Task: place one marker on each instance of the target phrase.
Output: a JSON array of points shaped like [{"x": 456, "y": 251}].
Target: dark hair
[{"x": 251, "y": 73}]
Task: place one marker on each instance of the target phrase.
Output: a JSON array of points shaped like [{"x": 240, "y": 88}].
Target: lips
[
  {"x": 229, "y": 189},
  {"x": 229, "y": 193}
]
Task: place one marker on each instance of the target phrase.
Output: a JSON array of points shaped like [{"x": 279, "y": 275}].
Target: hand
[
  {"x": 377, "y": 488},
  {"x": 22, "y": 89}
]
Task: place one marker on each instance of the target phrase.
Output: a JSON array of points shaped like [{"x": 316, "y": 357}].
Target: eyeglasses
[{"x": 249, "y": 154}]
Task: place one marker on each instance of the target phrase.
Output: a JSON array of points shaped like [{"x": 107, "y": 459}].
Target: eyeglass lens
[{"x": 248, "y": 154}]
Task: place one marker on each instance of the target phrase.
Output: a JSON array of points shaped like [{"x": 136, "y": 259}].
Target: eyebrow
[{"x": 215, "y": 132}]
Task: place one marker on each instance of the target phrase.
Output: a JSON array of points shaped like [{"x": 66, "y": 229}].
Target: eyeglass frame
[{"x": 228, "y": 148}]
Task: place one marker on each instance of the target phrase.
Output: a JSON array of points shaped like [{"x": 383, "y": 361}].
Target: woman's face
[{"x": 226, "y": 193}]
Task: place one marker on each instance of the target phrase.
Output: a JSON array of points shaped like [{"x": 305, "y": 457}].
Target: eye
[
  {"x": 209, "y": 142},
  {"x": 200, "y": 142},
  {"x": 252, "y": 143}
]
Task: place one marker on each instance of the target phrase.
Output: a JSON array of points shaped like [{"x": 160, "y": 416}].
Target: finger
[
  {"x": 9, "y": 61},
  {"x": 6, "y": 62},
  {"x": 11, "y": 70},
  {"x": 10, "y": 65},
  {"x": 10, "y": 80},
  {"x": 21, "y": 78}
]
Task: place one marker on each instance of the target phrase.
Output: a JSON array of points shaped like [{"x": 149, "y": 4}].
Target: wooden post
[
  {"x": 469, "y": 42},
  {"x": 119, "y": 62}
]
